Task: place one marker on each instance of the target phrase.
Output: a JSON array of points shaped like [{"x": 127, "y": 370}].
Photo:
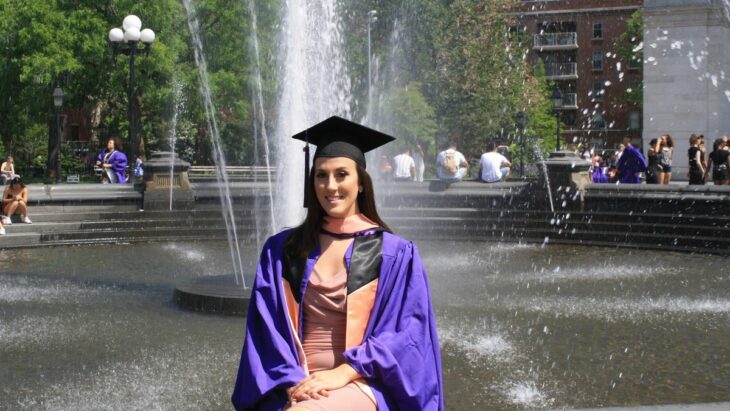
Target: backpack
[{"x": 451, "y": 165}]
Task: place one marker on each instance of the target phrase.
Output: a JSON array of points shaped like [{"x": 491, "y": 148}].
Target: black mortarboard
[{"x": 337, "y": 137}]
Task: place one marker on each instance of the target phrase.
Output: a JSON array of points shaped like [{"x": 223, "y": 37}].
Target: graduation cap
[{"x": 337, "y": 137}]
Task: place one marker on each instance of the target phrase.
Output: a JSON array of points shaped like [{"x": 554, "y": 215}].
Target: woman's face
[
  {"x": 110, "y": 144},
  {"x": 336, "y": 185}
]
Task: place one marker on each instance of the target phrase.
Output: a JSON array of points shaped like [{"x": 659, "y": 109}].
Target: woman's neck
[{"x": 350, "y": 224}]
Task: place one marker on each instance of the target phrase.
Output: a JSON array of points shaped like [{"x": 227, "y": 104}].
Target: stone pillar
[
  {"x": 686, "y": 73},
  {"x": 567, "y": 176},
  {"x": 157, "y": 182}
]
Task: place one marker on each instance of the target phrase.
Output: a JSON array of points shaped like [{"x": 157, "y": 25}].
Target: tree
[
  {"x": 630, "y": 49},
  {"x": 484, "y": 78},
  {"x": 411, "y": 118}
]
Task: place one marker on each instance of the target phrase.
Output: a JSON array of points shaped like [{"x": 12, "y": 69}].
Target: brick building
[{"x": 576, "y": 40}]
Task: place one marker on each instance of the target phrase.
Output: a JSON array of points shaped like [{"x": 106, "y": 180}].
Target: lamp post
[
  {"x": 57, "y": 103},
  {"x": 372, "y": 18},
  {"x": 557, "y": 99},
  {"x": 521, "y": 119},
  {"x": 131, "y": 36}
]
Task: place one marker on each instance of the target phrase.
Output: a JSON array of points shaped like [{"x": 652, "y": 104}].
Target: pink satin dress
[{"x": 325, "y": 317}]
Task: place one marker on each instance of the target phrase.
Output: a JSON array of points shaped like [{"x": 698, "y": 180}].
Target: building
[
  {"x": 686, "y": 88},
  {"x": 576, "y": 40}
]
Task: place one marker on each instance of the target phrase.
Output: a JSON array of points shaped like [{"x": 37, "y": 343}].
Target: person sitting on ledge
[
  {"x": 340, "y": 315},
  {"x": 7, "y": 171},
  {"x": 405, "y": 166},
  {"x": 15, "y": 201},
  {"x": 113, "y": 161},
  {"x": 495, "y": 166},
  {"x": 631, "y": 164},
  {"x": 451, "y": 165}
]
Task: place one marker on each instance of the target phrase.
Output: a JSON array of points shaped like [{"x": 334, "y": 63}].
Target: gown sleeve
[
  {"x": 118, "y": 161},
  {"x": 269, "y": 361},
  {"x": 399, "y": 356}
]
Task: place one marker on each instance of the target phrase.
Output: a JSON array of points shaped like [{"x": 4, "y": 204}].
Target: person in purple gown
[
  {"x": 340, "y": 315},
  {"x": 113, "y": 161},
  {"x": 631, "y": 164}
]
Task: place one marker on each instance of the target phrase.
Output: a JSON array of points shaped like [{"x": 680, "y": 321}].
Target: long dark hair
[
  {"x": 117, "y": 143},
  {"x": 302, "y": 240},
  {"x": 17, "y": 180}
]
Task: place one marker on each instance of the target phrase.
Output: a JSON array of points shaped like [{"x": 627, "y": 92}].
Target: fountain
[{"x": 522, "y": 325}]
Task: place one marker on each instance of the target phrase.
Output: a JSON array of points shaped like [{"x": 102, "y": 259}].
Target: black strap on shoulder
[
  {"x": 367, "y": 257},
  {"x": 293, "y": 273}
]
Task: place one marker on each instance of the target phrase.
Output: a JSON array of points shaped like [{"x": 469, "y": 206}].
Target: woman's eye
[
  {"x": 320, "y": 175},
  {"x": 342, "y": 174}
]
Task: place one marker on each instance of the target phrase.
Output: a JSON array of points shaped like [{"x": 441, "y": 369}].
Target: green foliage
[
  {"x": 484, "y": 77},
  {"x": 454, "y": 71},
  {"x": 630, "y": 49},
  {"x": 411, "y": 117}
]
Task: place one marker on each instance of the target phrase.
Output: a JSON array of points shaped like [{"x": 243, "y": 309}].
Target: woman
[
  {"x": 664, "y": 158},
  {"x": 599, "y": 173},
  {"x": 113, "y": 161},
  {"x": 719, "y": 163},
  {"x": 696, "y": 172},
  {"x": 340, "y": 315},
  {"x": 7, "y": 170},
  {"x": 15, "y": 201},
  {"x": 653, "y": 169}
]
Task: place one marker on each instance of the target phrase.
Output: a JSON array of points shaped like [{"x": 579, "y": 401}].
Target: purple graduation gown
[
  {"x": 398, "y": 355},
  {"x": 631, "y": 163},
  {"x": 119, "y": 164}
]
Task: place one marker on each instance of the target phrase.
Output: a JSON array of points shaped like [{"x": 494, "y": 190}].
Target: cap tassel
[{"x": 306, "y": 170}]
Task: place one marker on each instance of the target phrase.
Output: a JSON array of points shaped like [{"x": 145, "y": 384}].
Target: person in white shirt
[
  {"x": 405, "y": 166},
  {"x": 451, "y": 165},
  {"x": 495, "y": 167}
]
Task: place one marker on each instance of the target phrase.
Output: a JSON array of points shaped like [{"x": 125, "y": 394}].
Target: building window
[
  {"x": 597, "y": 31},
  {"x": 568, "y": 118},
  {"x": 598, "y": 91},
  {"x": 75, "y": 132},
  {"x": 597, "y": 60},
  {"x": 597, "y": 121},
  {"x": 634, "y": 121}
]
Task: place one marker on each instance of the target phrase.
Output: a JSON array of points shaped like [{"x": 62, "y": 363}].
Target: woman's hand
[
  {"x": 319, "y": 383},
  {"x": 107, "y": 165}
]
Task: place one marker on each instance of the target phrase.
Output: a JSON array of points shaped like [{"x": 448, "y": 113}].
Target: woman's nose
[{"x": 331, "y": 183}]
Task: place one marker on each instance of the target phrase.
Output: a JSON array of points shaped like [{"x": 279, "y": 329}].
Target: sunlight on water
[
  {"x": 602, "y": 272},
  {"x": 186, "y": 252},
  {"x": 493, "y": 346},
  {"x": 618, "y": 309},
  {"x": 31, "y": 290},
  {"x": 528, "y": 395},
  {"x": 152, "y": 379}
]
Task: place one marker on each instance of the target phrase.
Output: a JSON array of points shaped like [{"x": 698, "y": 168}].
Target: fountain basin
[
  {"x": 521, "y": 326},
  {"x": 218, "y": 294}
]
